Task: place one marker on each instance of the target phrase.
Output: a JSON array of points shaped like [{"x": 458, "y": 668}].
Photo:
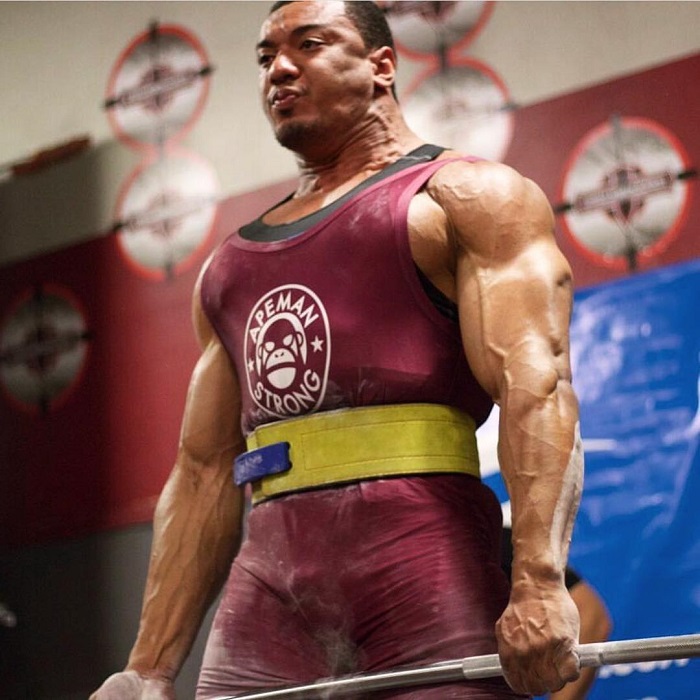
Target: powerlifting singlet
[{"x": 329, "y": 311}]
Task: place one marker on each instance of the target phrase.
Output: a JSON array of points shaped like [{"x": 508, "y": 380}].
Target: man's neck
[{"x": 355, "y": 156}]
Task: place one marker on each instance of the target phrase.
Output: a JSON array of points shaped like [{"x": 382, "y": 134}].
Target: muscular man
[{"x": 353, "y": 338}]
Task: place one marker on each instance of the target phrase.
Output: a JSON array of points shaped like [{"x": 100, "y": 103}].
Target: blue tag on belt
[{"x": 255, "y": 464}]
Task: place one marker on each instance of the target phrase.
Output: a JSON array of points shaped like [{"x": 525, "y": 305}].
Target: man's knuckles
[{"x": 540, "y": 667}]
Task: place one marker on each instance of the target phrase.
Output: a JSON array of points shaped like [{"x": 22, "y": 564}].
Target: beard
[
  {"x": 295, "y": 135},
  {"x": 303, "y": 133}
]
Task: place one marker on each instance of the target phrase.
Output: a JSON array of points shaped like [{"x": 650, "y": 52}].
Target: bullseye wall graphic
[
  {"x": 44, "y": 343},
  {"x": 165, "y": 213},
  {"x": 456, "y": 101},
  {"x": 625, "y": 192},
  {"x": 167, "y": 206},
  {"x": 158, "y": 86},
  {"x": 463, "y": 105},
  {"x": 423, "y": 29}
]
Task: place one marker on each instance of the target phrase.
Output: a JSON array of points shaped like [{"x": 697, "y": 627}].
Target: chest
[{"x": 428, "y": 236}]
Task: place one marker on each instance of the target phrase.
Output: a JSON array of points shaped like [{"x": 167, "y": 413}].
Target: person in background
[{"x": 354, "y": 336}]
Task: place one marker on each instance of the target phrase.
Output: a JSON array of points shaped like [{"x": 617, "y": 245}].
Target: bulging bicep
[{"x": 514, "y": 286}]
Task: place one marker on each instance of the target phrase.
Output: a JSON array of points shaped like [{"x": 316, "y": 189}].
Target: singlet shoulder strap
[
  {"x": 421, "y": 177},
  {"x": 442, "y": 303},
  {"x": 261, "y": 232}
]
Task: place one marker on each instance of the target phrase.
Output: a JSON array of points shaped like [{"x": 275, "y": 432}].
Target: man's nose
[{"x": 283, "y": 68}]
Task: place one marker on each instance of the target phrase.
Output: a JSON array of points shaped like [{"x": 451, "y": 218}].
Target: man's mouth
[{"x": 283, "y": 100}]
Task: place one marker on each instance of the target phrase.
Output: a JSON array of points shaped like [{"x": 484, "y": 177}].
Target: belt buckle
[{"x": 263, "y": 461}]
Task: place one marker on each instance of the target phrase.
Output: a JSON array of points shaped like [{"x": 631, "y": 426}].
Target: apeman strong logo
[{"x": 287, "y": 351}]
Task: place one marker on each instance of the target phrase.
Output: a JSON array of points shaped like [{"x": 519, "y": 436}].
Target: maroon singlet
[
  {"x": 336, "y": 315},
  {"x": 330, "y": 312}
]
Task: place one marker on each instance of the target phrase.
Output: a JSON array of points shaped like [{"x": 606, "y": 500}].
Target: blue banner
[{"x": 636, "y": 360}]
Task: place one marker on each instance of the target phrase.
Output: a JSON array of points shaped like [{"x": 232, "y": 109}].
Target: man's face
[{"x": 315, "y": 73}]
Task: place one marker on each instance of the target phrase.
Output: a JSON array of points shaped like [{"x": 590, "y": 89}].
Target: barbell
[{"x": 475, "y": 667}]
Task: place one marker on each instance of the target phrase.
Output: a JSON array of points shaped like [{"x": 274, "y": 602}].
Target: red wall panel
[
  {"x": 99, "y": 458},
  {"x": 547, "y": 133}
]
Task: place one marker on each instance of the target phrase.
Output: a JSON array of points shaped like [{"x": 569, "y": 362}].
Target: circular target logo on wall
[
  {"x": 158, "y": 86},
  {"x": 166, "y": 213},
  {"x": 44, "y": 343},
  {"x": 422, "y": 29},
  {"x": 464, "y": 106},
  {"x": 624, "y": 195}
]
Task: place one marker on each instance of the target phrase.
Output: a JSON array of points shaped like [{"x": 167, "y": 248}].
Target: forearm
[
  {"x": 542, "y": 464},
  {"x": 196, "y": 535}
]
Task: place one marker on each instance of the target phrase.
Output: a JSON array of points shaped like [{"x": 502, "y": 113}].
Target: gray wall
[
  {"x": 57, "y": 58},
  {"x": 77, "y": 602},
  {"x": 77, "y": 605}
]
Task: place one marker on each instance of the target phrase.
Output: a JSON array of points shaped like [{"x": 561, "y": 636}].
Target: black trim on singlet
[
  {"x": 261, "y": 232},
  {"x": 440, "y": 301}
]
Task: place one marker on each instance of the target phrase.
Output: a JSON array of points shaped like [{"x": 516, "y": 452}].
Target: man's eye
[
  {"x": 265, "y": 59},
  {"x": 310, "y": 44}
]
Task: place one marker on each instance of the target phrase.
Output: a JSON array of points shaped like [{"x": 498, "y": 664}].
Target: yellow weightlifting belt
[{"x": 352, "y": 444}]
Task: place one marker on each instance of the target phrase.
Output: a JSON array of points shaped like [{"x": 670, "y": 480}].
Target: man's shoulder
[
  {"x": 464, "y": 170},
  {"x": 463, "y": 179},
  {"x": 484, "y": 198}
]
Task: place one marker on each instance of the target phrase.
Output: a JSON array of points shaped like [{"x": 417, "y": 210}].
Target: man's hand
[
  {"x": 129, "y": 685},
  {"x": 537, "y": 635}
]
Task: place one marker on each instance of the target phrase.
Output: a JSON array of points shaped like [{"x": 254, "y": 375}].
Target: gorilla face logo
[
  {"x": 287, "y": 351},
  {"x": 281, "y": 348}
]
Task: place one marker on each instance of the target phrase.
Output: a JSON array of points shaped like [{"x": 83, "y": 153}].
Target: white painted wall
[{"x": 55, "y": 59}]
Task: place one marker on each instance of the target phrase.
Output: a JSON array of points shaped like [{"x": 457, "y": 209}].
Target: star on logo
[{"x": 317, "y": 344}]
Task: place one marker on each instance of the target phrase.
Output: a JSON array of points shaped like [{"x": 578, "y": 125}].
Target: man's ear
[{"x": 384, "y": 62}]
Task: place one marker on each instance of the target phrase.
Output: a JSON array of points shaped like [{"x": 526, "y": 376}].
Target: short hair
[{"x": 367, "y": 17}]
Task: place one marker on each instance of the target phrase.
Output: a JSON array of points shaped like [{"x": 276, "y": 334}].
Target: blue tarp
[{"x": 636, "y": 361}]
